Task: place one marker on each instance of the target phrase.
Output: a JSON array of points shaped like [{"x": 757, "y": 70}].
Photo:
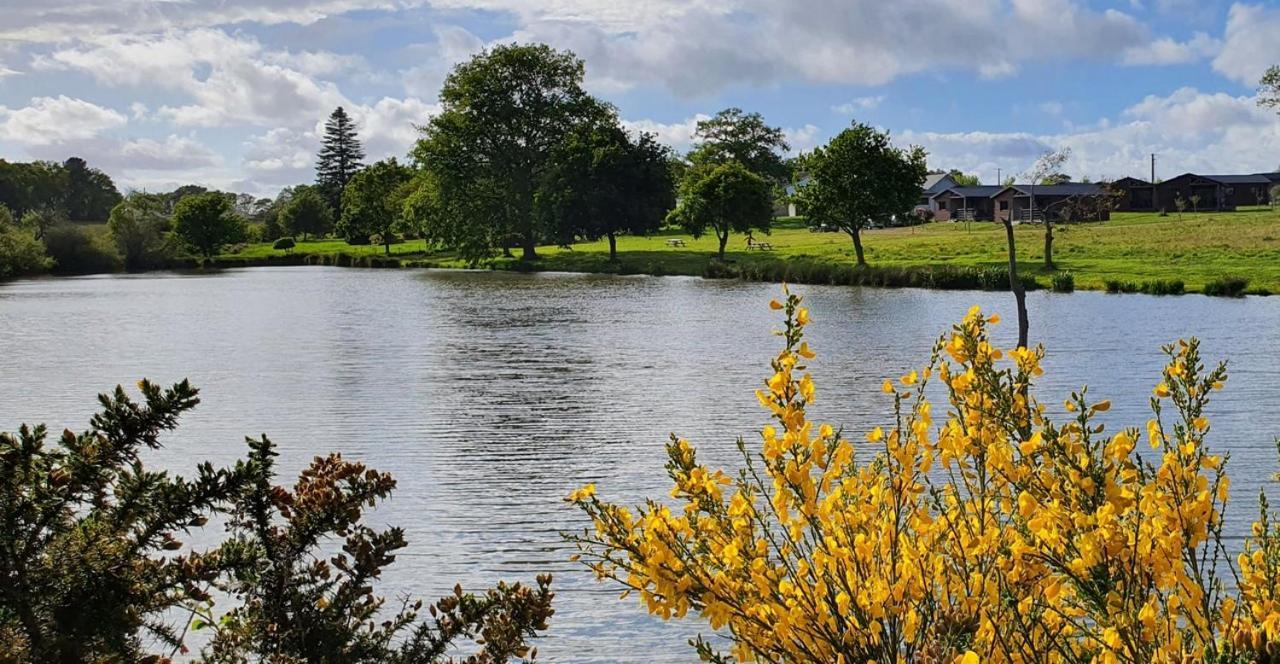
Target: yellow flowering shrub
[{"x": 992, "y": 534}]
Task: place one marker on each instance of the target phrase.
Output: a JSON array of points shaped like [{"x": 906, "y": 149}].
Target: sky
[{"x": 232, "y": 94}]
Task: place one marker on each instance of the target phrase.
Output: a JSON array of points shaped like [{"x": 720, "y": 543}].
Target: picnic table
[
  {"x": 675, "y": 242},
  {"x": 760, "y": 246}
]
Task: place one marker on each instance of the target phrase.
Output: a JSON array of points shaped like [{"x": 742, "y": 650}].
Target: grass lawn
[{"x": 1132, "y": 247}]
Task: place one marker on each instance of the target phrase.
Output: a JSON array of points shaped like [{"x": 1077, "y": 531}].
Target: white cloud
[
  {"x": 1249, "y": 43},
  {"x": 49, "y": 120},
  {"x": 228, "y": 79},
  {"x": 1167, "y": 51},
  {"x": 1189, "y": 130},
  {"x": 859, "y": 104}
]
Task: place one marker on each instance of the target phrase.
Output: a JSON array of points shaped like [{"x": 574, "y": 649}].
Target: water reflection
[{"x": 491, "y": 395}]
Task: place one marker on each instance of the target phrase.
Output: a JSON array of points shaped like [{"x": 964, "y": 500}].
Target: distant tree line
[{"x": 520, "y": 156}]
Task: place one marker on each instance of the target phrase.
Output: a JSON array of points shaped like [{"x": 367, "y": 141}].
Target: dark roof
[
  {"x": 1239, "y": 179},
  {"x": 1132, "y": 181},
  {"x": 1064, "y": 189},
  {"x": 980, "y": 191},
  {"x": 1274, "y": 177},
  {"x": 935, "y": 182}
]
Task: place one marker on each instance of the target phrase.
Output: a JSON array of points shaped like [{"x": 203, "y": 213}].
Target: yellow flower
[
  {"x": 802, "y": 317},
  {"x": 911, "y": 378},
  {"x": 887, "y": 386},
  {"x": 804, "y": 351},
  {"x": 993, "y": 319},
  {"x": 775, "y": 305},
  {"x": 1162, "y": 390},
  {"x": 583, "y": 493},
  {"x": 875, "y": 435}
]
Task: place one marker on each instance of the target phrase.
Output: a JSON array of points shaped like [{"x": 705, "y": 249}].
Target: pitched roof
[
  {"x": 980, "y": 191},
  {"x": 1239, "y": 179},
  {"x": 1274, "y": 177},
  {"x": 935, "y": 182},
  {"x": 1064, "y": 189},
  {"x": 1132, "y": 181}
]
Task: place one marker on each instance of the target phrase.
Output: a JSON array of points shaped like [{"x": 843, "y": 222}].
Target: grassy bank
[{"x": 1132, "y": 252}]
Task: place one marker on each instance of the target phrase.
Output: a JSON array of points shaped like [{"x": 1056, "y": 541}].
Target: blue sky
[{"x": 230, "y": 93}]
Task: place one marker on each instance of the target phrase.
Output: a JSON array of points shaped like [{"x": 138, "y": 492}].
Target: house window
[{"x": 1004, "y": 205}]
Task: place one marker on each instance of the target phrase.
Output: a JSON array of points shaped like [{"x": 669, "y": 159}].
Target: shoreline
[{"x": 788, "y": 270}]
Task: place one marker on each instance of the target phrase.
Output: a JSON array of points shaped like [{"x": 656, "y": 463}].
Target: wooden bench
[
  {"x": 760, "y": 246},
  {"x": 675, "y": 242}
]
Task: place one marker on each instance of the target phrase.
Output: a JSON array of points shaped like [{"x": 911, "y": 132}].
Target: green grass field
[{"x": 1132, "y": 247}]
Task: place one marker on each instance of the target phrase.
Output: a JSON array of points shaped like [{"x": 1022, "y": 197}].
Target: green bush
[
  {"x": 78, "y": 250},
  {"x": 1227, "y": 287},
  {"x": 20, "y": 252},
  {"x": 284, "y": 243},
  {"x": 1164, "y": 287},
  {"x": 1117, "y": 286},
  {"x": 1063, "y": 282},
  {"x": 94, "y": 570}
]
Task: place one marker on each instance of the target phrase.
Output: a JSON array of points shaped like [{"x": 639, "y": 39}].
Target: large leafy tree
[
  {"x": 205, "y": 222},
  {"x": 38, "y": 185},
  {"x": 340, "y": 156},
  {"x": 373, "y": 204},
  {"x": 90, "y": 193},
  {"x": 503, "y": 114},
  {"x": 733, "y": 135},
  {"x": 603, "y": 184},
  {"x": 860, "y": 178},
  {"x": 139, "y": 227},
  {"x": 723, "y": 198},
  {"x": 305, "y": 213}
]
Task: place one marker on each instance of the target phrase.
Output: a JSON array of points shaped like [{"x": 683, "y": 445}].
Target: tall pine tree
[{"x": 339, "y": 157}]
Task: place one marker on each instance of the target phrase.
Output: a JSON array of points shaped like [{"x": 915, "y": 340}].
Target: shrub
[
  {"x": 77, "y": 250},
  {"x": 284, "y": 243},
  {"x": 92, "y": 567},
  {"x": 1227, "y": 287},
  {"x": 998, "y": 535},
  {"x": 1164, "y": 287},
  {"x": 20, "y": 252},
  {"x": 1117, "y": 286},
  {"x": 1063, "y": 282}
]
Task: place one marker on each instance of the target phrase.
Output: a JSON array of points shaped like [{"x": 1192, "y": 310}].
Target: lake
[{"x": 491, "y": 395}]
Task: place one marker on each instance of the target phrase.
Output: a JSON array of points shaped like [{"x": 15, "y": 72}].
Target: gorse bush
[
  {"x": 93, "y": 567},
  {"x": 994, "y": 534}
]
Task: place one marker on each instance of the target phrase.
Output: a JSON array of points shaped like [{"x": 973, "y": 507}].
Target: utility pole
[
  {"x": 1153, "y": 169},
  {"x": 998, "y": 180}
]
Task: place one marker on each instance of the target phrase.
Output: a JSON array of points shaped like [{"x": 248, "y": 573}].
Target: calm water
[{"x": 491, "y": 395}]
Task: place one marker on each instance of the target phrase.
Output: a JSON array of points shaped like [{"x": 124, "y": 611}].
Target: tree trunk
[
  {"x": 613, "y": 247},
  {"x": 857, "y": 246},
  {"x": 1048, "y": 244},
  {"x": 724, "y": 239},
  {"x": 386, "y": 248},
  {"x": 1019, "y": 295}
]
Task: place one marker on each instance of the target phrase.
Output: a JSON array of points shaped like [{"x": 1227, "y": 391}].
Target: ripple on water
[{"x": 491, "y": 395}]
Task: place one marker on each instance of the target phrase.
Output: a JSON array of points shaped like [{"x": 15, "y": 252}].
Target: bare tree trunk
[
  {"x": 857, "y": 245},
  {"x": 1048, "y": 243},
  {"x": 1015, "y": 285},
  {"x": 724, "y": 239},
  {"x": 613, "y": 247},
  {"x": 528, "y": 250}
]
